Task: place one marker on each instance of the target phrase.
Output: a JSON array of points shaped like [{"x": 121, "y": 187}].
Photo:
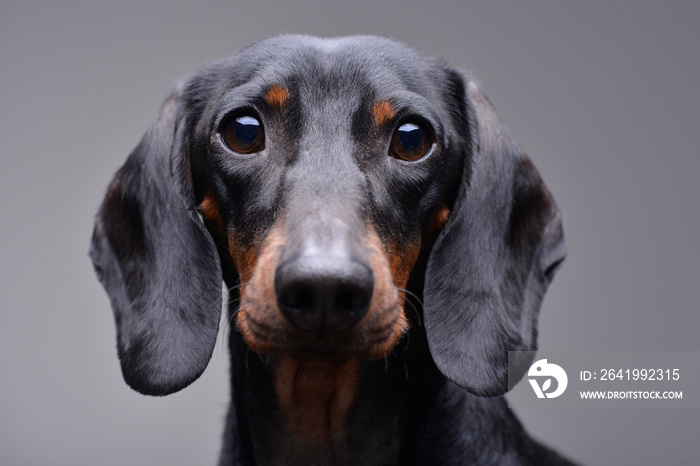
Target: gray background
[{"x": 603, "y": 95}]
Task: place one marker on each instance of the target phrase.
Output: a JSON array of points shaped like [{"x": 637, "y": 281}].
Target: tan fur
[
  {"x": 316, "y": 394},
  {"x": 276, "y": 97},
  {"x": 383, "y": 112}
]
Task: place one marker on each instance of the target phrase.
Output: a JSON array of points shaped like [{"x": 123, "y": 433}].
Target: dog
[{"x": 384, "y": 242}]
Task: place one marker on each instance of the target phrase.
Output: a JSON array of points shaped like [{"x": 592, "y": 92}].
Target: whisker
[
  {"x": 411, "y": 294},
  {"x": 237, "y": 286},
  {"x": 416, "y": 312},
  {"x": 264, "y": 358}
]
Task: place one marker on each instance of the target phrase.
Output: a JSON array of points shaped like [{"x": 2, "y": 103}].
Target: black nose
[{"x": 323, "y": 293}]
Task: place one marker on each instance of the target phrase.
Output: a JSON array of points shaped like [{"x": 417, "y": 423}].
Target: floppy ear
[
  {"x": 157, "y": 262},
  {"x": 490, "y": 266}
]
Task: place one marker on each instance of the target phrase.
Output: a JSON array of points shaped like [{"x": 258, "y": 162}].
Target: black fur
[{"x": 475, "y": 289}]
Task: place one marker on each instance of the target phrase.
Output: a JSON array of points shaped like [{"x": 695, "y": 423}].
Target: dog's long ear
[
  {"x": 157, "y": 262},
  {"x": 490, "y": 266}
]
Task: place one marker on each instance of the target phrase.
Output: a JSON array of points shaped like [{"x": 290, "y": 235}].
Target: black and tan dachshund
[{"x": 384, "y": 242}]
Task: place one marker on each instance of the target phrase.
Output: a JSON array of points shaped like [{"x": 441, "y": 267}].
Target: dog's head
[{"x": 330, "y": 178}]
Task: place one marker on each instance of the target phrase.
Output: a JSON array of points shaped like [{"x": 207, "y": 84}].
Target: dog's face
[
  {"x": 321, "y": 181},
  {"x": 329, "y": 178}
]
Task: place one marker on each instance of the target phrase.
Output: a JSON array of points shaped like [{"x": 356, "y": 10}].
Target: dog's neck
[{"x": 294, "y": 411}]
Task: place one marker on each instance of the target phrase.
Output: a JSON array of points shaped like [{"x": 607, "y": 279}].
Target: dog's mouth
[{"x": 369, "y": 341}]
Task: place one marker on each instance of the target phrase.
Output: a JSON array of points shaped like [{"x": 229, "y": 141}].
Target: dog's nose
[{"x": 324, "y": 293}]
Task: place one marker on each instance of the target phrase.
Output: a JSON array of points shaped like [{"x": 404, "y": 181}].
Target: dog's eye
[
  {"x": 410, "y": 141},
  {"x": 243, "y": 134}
]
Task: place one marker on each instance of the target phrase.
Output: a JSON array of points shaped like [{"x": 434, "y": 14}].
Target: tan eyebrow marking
[
  {"x": 383, "y": 112},
  {"x": 277, "y": 96}
]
